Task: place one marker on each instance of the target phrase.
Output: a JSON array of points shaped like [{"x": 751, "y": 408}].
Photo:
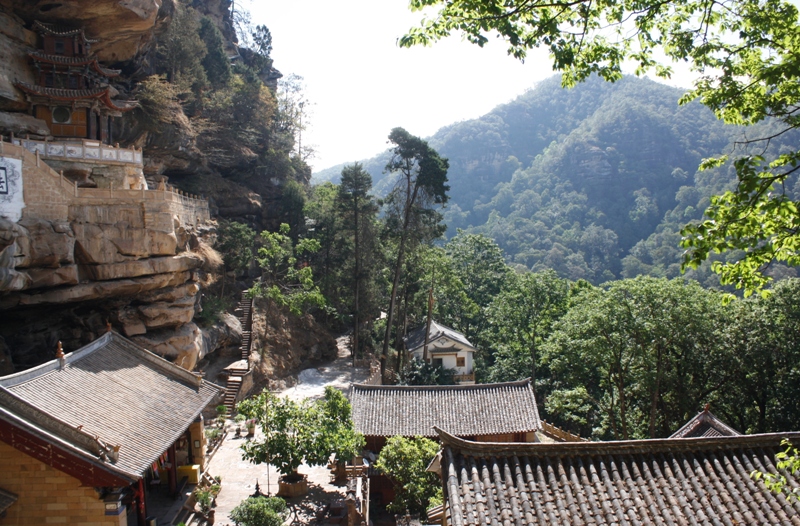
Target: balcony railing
[
  {"x": 83, "y": 150},
  {"x": 464, "y": 378}
]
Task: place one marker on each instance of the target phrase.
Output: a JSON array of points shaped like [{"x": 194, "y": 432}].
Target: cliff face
[
  {"x": 76, "y": 259},
  {"x": 88, "y": 245}
]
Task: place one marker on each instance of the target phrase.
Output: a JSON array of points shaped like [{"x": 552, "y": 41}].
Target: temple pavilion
[
  {"x": 94, "y": 435},
  {"x": 72, "y": 93}
]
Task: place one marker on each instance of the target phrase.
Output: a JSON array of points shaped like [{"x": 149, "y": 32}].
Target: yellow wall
[{"x": 47, "y": 495}]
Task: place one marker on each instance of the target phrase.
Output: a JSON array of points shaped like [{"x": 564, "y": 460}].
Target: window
[
  {"x": 461, "y": 361},
  {"x": 3, "y": 181},
  {"x": 59, "y": 46},
  {"x": 62, "y": 115},
  {"x": 437, "y": 362}
]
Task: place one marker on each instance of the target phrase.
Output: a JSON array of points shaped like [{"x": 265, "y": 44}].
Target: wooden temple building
[
  {"x": 87, "y": 437},
  {"x": 72, "y": 93},
  {"x": 501, "y": 412}
]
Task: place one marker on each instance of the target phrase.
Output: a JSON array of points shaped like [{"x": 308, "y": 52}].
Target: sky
[{"x": 360, "y": 84}]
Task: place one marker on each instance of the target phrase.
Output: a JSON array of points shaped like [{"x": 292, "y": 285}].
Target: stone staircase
[{"x": 244, "y": 311}]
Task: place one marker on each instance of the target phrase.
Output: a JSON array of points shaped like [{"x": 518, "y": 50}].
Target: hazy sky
[{"x": 362, "y": 85}]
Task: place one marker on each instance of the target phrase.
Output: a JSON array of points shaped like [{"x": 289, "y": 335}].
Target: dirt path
[{"x": 239, "y": 476}]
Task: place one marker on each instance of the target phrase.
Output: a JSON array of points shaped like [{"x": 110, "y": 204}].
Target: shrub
[
  {"x": 405, "y": 461},
  {"x": 259, "y": 511}
]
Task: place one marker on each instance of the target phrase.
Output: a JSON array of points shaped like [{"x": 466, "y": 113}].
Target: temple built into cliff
[{"x": 72, "y": 93}]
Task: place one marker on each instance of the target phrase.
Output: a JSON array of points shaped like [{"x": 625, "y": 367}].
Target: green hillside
[{"x": 594, "y": 182}]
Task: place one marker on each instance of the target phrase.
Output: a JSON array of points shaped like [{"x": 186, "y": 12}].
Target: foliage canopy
[
  {"x": 308, "y": 431},
  {"x": 259, "y": 511},
  {"x": 405, "y": 461},
  {"x": 746, "y": 53}
]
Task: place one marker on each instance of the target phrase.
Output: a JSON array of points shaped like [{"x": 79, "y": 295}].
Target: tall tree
[
  {"x": 421, "y": 185},
  {"x": 480, "y": 265},
  {"x": 520, "y": 319},
  {"x": 216, "y": 62},
  {"x": 746, "y": 54},
  {"x": 359, "y": 208},
  {"x": 641, "y": 356}
]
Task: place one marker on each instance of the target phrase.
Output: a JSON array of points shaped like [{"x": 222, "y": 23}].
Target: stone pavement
[{"x": 239, "y": 476}]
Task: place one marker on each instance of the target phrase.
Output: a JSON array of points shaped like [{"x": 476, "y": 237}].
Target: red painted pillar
[
  {"x": 173, "y": 470},
  {"x": 141, "y": 502}
]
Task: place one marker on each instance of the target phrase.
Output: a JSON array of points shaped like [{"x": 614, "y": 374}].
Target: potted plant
[
  {"x": 309, "y": 431},
  {"x": 240, "y": 419},
  {"x": 222, "y": 414},
  {"x": 250, "y": 423}
]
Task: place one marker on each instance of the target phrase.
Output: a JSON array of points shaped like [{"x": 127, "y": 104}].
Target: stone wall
[
  {"x": 81, "y": 257},
  {"x": 48, "y": 195},
  {"x": 47, "y": 495}
]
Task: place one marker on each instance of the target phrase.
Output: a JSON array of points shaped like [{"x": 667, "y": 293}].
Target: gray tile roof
[
  {"x": 416, "y": 338},
  {"x": 638, "y": 482},
  {"x": 705, "y": 424},
  {"x": 110, "y": 392},
  {"x": 467, "y": 410}
]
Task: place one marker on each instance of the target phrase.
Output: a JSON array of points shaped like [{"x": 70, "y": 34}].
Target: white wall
[
  {"x": 449, "y": 360},
  {"x": 11, "y": 199}
]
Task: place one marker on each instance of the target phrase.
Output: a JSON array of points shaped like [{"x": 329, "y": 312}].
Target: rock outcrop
[
  {"x": 142, "y": 280},
  {"x": 284, "y": 344}
]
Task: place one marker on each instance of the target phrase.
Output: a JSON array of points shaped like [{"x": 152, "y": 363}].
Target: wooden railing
[
  {"x": 560, "y": 434},
  {"x": 462, "y": 378},
  {"x": 83, "y": 149}
]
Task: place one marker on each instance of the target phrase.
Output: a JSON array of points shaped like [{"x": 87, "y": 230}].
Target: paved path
[{"x": 239, "y": 476}]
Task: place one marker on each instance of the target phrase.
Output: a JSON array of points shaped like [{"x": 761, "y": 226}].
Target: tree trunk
[
  {"x": 411, "y": 197},
  {"x": 655, "y": 394},
  {"x": 402, "y": 322},
  {"x": 533, "y": 362},
  {"x": 357, "y": 282},
  {"x": 392, "y": 300}
]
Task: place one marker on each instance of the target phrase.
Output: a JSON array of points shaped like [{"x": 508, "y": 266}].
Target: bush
[
  {"x": 213, "y": 308},
  {"x": 417, "y": 372},
  {"x": 259, "y": 511},
  {"x": 405, "y": 461}
]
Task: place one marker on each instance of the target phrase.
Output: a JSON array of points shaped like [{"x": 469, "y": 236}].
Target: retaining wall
[{"x": 49, "y": 195}]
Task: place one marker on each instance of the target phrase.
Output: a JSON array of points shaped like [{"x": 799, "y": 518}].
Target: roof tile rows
[
  {"x": 64, "y": 60},
  {"x": 117, "y": 391},
  {"x": 646, "y": 482},
  {"x": 465, "y": 410}
]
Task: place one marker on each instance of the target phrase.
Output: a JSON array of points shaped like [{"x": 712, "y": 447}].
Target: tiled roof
[
  {"x": 110, "y": 392},
  {"x": 705, "y": 424},
  {"x": 466, "y": 410},
  {"x": 102, "y": 94},
  {"x": 416, "y": 338},
  {"x": 74, "y": 61},
  {"x": 62, "y": 94},
  {"x": 637, "y": 482}
]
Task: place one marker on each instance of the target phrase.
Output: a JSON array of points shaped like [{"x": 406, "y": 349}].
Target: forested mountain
[{"x": 594, "y": 182}]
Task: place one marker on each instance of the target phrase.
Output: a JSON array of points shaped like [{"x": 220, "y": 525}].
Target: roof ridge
[
  {"x": 52, "y": 365},
  {"x": 162, "y": 363},
  {"x": 462, "y": 387},
  {"x": 614, "y": 446}
]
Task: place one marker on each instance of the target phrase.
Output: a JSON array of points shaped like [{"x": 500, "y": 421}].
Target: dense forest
[
  {"x": 594, "y": 182},
  {"x": 633, "y": 358}
]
